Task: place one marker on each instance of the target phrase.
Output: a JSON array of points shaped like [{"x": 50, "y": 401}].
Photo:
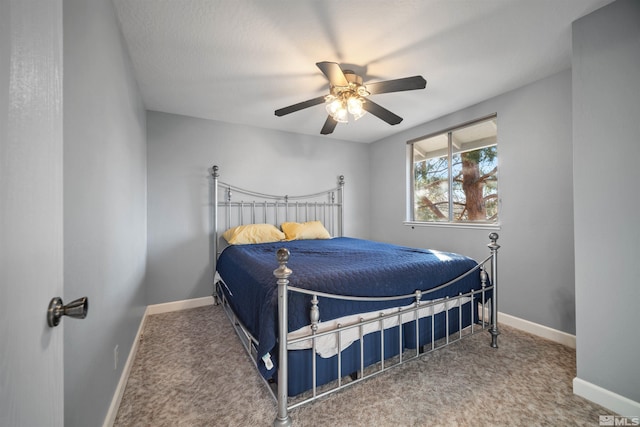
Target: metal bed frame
[{"x": 327, "y": 206}]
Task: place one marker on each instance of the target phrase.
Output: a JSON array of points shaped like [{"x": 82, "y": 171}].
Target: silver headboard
[{"x": 234, "y": 206}]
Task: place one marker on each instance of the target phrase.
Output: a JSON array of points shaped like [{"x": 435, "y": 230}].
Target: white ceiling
[{"x": 239, "y": 60}]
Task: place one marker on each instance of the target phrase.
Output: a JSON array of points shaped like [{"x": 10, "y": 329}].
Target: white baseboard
[
  {"x": 151, "y": 309},
  {"x": 538, "y": 330},
  {"x": 607, "y": 399},
  {"x": 122, "y": 383},
  {"x": 535, "y": 329},
  {"x": 179, "y": 305}
]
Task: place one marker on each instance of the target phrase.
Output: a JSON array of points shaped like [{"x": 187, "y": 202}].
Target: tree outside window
[{"x": 455, "y": 174}]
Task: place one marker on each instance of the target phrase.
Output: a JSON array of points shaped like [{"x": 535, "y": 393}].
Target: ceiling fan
[{"x": 348, "y": 95}]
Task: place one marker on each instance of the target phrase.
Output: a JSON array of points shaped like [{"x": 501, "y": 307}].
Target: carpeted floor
[{"x": 191, "y": 370}]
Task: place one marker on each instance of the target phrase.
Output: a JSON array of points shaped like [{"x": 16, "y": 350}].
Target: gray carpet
[{"x": 191, "y": 370}]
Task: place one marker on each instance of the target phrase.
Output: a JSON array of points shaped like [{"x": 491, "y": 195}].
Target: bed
[{"x": 349, "y": 308}]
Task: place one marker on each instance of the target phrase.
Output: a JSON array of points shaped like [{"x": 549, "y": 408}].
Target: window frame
[{"x": 410, "y": 182}]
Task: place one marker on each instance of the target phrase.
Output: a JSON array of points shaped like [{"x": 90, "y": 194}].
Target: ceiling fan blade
[
  {"x": 381, "y": 112},
  {"x": 329, "y": 126},
  {"x": 299, "y": 106},
  {"x": 333, "y": 72},
  {"x": 398, "y": 85}
]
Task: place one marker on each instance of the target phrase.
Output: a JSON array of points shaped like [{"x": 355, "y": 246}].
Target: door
[{"x": 31, "y": 239}]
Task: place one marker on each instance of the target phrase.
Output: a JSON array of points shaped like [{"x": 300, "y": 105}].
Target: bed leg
[
  {"x": 494, "y": 246},
  {"x": 282, "y": 273},
  {"x": 216, "y": 297}
]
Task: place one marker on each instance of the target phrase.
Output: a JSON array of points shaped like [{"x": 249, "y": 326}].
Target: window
[{"x": 454, "y": 175}]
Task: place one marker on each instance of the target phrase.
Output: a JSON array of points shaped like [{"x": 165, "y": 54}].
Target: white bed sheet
[{"x": 327, "y": 345}]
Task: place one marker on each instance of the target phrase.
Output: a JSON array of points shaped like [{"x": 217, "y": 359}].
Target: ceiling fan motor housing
[{"x": 355, "y": 85}]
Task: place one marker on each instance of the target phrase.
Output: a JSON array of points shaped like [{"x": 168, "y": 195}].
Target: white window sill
[{"x": 413, "y": 224}]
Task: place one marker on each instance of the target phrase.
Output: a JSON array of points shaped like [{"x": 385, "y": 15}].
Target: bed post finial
[
  {"x": 282, "y": 273},
  {"x": 341, "y": 205},
  {"x": 214, "y": 171},
  {"x": 282, "y": 255},
  {"x": 494, "y": 246}
]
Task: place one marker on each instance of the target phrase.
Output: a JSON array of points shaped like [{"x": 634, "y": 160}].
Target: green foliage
[{"x": 431, "y": 180}]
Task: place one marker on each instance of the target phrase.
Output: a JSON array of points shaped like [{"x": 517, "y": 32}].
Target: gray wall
[
  {"x": 535, "y": 187},
  {"x": 606, "y": 106},
  {"x": 104, "y": 207},
  {"x": 181, "y": 151}
]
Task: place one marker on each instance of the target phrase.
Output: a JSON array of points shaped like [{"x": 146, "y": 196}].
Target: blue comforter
[{"x": 341, "y": 265}]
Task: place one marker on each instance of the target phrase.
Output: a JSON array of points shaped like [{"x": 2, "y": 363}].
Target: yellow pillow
[
  {"x": 306, "y": 230},
  {"x": 253, "y": 233}
]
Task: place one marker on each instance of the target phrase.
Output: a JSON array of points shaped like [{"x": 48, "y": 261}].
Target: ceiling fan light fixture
[
  {"x": 332, "y": 105},
  {"x": 354, "y": 106},
  {"x": 341, "y": 116},
  {"x": 357, "y": 116},
  {"x": 362, "y": 91},
  {"x": 340, "y": 105}
]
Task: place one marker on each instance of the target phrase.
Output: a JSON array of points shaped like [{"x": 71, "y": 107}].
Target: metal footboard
[{"x": 282, "y": 273}]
